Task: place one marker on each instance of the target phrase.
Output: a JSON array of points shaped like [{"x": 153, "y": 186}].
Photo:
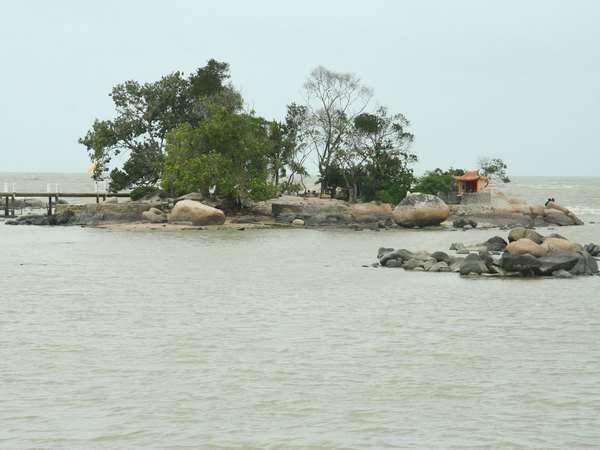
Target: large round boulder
[
  {"x": 525, "y": 246},
  {"x": 526, "y": 264},
  {"x": 420, "y": 210},
  {"x": 473, "y": 264},
  {"x": 495, "y": 244},
  {"x": 554, "y": 245},
  {"x": 558, "y": 261},
  {"x": 370, "y": 212},
  {"x": 525, "y": 233},
  {"x": 197, "y": 213}
]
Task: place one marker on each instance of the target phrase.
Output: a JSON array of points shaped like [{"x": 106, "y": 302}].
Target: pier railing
[{"x": 9, "y": 198}]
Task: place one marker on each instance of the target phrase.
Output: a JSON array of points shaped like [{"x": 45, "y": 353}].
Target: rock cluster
[
  {"x": 63, "y": 218},
  {"x": 464, "y": 223},
  {"x": 593, "y": 249},
  {"x": 515, "y": 214},
  {"x": 527, "y": 254}
]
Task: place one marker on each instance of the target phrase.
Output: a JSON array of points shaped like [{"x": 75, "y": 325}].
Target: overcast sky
[{"x": 519, "y": 80}]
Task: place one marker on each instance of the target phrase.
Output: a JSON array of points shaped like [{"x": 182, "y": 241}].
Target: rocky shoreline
[
  {"x": 525, "y": 253},
  {"x": 415, "y": 211}
]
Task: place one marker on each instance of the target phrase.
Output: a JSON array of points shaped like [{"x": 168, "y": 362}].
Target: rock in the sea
[
  {"x": 464, "y": 223},
  {"x": 473, "y": 264},
  {"x": 32, "y": 219},
  {"x": 413, "y": 264},
  {"x": 558, "y": 261},
  {"x": 154, "y": 215},
  {"x": 399, "y": 255},
  {"x": 558, "y": 215},
  {"x": 394, "y": 263},
  {"x": 442, "y": 257},
  {"x": 553, "y": 245},
  {"x": 59, "y": 218},
  {"x": 298, "y": 222},
  {"x": 383, "y": 251},
  {"x": 526, "y": 264},
  {"x": 525, "y": 246},
  {"x": 420, "y": 210},
  {"x": 197, "y": 213},
  {"x": 525, "y": 233},
  {"x": 440, "y": 266},
  {"x": 592, "y": 249},
  {"x": 495, "y": 244},
  {"x": 562, "y": 274},
  {"x": 587, "y": 265}
]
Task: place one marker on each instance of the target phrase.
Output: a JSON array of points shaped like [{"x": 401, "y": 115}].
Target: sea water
[{"x": 281, "y": 339}]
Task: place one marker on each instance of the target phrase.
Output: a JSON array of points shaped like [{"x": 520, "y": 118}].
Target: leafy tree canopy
[
  {"x": 226, "y": 151},
  {"x": 146, "y": 112},
  {"x": 437, "y": 180},
  {"x": 494, "y": 169}
]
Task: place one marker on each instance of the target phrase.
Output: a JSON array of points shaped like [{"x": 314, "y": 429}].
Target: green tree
[
  {"x": 333, "y": 101},
  {"x": 494, "y": 169},
  {"x": 288, "y": 151},
  {"x": 376, "y": 159},
  {"x": 437, "y": 180},
  {"x": 227, "y": 151},
  {"x": 145, "y": 113}
]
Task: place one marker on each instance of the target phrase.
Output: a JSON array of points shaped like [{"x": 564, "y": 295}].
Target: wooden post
[{"x": 49, "y": 206}]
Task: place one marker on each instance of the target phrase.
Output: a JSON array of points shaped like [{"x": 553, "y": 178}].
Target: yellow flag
[{"x": 92, "y": 168}]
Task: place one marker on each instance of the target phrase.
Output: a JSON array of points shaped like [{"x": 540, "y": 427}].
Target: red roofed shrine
[{"x": 470, "y": 182}]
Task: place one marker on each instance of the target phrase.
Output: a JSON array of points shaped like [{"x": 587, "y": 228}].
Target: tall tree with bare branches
[{"x": 333, "y": 101}]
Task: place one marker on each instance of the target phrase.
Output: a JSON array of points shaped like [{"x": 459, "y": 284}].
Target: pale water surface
[{"x": 280, "y": 339}]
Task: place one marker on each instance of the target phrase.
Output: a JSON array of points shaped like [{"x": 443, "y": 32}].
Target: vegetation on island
[{"x": 193, "y": 133}]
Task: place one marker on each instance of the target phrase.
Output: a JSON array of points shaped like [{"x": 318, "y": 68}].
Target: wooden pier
[{"x": 10, "y": 198}]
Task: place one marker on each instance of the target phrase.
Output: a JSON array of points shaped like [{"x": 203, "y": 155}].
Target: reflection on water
[{"x": 280, "y": 339}]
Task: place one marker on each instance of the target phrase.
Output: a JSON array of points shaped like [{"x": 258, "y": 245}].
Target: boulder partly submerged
[
  {"x": 197, "y": 213},
  {"x": 420, "y": 210}
]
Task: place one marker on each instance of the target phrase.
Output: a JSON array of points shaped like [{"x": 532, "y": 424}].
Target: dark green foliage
[
  {"x": 145, "y": 113},
  {"x": 375, "y": 160},
  {"x": 286, "y": 153},
  {"x": 143, "y": 191},
  {"x": 437, "y": 181},
  {"x": 226, "y": 151}
]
